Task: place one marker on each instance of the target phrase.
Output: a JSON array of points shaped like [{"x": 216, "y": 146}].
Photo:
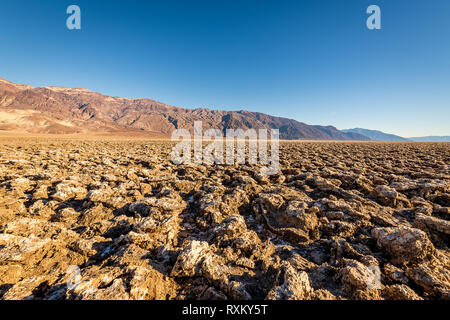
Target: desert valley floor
[{"x": 116, "y": 219}]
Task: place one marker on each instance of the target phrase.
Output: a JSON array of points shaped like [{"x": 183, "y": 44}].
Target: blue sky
[{"x": 311, "y": 60}]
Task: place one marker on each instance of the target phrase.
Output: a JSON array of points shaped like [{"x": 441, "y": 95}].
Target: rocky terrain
[
  {"x": 57, "y": 110},
  {"x": 115, "y": 219}
]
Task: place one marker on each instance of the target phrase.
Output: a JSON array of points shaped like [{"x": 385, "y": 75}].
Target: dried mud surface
[{"x": 98, "y": 219}]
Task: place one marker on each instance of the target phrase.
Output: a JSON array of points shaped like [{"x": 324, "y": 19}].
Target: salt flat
[{"x": 116, "y": 219}]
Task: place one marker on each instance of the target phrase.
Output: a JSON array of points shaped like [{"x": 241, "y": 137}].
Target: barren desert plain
[{"x": 104, "y": 218}]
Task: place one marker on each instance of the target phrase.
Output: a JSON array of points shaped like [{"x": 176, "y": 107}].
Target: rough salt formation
[{"x": 116, "y": 219}]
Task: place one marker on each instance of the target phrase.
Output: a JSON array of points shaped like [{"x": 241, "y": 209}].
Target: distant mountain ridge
[
  {"x": 58, "y": 110},
  {"x": 431, "y": 139},
  {"x": 376, "y": 135}
]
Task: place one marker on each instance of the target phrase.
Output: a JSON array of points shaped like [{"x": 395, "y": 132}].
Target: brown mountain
[{"x": 57, "y": 110}]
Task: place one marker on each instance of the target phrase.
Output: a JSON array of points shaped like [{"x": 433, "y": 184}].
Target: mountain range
[
  {"x": 431, "y": 139},
  {"x": 376, "y": 135},
  {"x": 58, "y": 110}
]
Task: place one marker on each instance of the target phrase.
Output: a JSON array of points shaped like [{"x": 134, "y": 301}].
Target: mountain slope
[
  {"x": 375, "y": 134},
  {"x": 60, "y": 110}
]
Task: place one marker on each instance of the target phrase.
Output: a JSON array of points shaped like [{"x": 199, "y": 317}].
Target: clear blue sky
[{"x": 311, "y": 60}]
